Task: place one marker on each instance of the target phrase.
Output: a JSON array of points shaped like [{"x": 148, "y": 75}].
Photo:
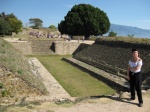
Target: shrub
[
  {"x": 1, "y": 85},
  {"x": 112, "y": 34},
  {"x": 4, "y": 93}
]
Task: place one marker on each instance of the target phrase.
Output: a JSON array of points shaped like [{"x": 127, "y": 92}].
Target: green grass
[{"x": 76, "y": 82}]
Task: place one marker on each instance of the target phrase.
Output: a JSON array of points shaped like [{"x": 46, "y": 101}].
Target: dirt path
[
  {"x": 107, "y": 105},
  {"x": 103, "y": 104}
]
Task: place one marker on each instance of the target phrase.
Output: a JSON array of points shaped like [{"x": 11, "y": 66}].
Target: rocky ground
[
  {"x": 100, "y": 104},
  {"x": 12, "y": 88}
]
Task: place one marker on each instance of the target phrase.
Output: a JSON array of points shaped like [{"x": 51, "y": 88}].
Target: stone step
[{"x": 116, "y": 82}]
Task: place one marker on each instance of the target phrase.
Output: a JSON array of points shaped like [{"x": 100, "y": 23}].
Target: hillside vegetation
[
  {"x": 125, "y": 39},
  {"x": 17, "y": 63}
]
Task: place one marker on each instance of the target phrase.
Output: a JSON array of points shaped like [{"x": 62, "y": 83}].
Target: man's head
[
  {"x": 133, "y": 50},
  {"x": 135, "y": 53}
]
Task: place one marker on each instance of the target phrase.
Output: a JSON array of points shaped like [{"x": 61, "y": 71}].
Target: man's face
[{"x": 135, "y": 53}]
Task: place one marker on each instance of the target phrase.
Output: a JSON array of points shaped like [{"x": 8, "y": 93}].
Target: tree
[
  {"x": 4, "y": 27},
  {"x": 11, "y": 16},
  {"x": 3, "y": 15},
  {"x": 112, "y": 34},
  {"x": 36, "y": 23},
  {"x": 84, "y": 19},
  {"x": 130, "y": 35},
  {"x": 52, "y": 27},
  {"x": 13, "y": 22}
]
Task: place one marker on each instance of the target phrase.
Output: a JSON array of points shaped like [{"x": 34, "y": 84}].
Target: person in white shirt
[{"x": 134, "y": 76}]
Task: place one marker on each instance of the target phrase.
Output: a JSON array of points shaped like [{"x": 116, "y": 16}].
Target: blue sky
[{"x": 123, "y": 12}]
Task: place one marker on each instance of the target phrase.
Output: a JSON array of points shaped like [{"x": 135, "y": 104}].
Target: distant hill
[{"x": 122, "y": 30}]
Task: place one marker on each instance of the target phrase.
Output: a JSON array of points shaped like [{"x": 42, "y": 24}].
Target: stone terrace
[
  {"x": 113, "y": 57},
  {"x": 110, "y": 56}
]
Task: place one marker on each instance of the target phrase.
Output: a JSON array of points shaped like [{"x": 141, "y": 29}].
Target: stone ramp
[
  {"x": 114, "y": 81},
  {"x": 55, "y": 90}
]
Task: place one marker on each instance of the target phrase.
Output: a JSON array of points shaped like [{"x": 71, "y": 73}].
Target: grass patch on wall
[
  {"x": 76, "y": 82},
  {"x": 125, "y": 39}
]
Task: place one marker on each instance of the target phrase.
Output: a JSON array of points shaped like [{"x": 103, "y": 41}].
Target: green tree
[
  {"x": 15, "y": 24},
  {"x": 112, "y": 34},
  {"x": 4, "y": 27},
  {"x": 84, "y": 19},
  {"x": 52, "y": 27},
  {"x": 36, "y": 23},
  {"x": 130, "y": 35},
  {"x": 10, "y": 16},
  {"x": 3, "y": 15}
]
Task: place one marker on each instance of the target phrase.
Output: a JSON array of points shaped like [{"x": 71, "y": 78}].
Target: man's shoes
[{"x": 140, "y": 104}]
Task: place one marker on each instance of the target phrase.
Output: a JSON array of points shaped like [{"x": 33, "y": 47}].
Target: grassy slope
[
  {"x": 18, "y": 63},
  {"x": 126, "y": 39},
  {"x": 75, "y": 82}
]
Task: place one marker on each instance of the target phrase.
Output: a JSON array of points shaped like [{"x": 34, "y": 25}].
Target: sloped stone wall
[
  {"x": 113, "y": 56},
  {"x": 23, "y": 46},
  {"x": 15, "y": 88}
]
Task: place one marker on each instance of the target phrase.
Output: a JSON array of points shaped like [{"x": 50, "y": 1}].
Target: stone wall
[
  {"x": 123, "y": 44},
  {"x": 42, "y": 47},
  {"x": 23, "y": 46},
  {"x": 67, "y": 47},
  {"x": 48, "y": 47},
  {"x": 113, "y": 56}
]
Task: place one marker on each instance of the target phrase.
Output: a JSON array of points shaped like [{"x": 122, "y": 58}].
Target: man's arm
[
  {"x": 138, "y": 66},
  {"x": 128, "y": 70}
]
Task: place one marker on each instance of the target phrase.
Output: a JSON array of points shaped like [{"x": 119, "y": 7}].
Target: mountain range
[{"x": 122, "y": 30}]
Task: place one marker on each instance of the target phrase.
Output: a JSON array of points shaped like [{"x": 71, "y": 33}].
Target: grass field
[{"x": 76, "y": 82}]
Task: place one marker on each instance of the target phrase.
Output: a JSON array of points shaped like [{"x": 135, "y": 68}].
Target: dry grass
[
  {"x": 126, "y": 39},
  {"x": 18, "y": 64}
]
